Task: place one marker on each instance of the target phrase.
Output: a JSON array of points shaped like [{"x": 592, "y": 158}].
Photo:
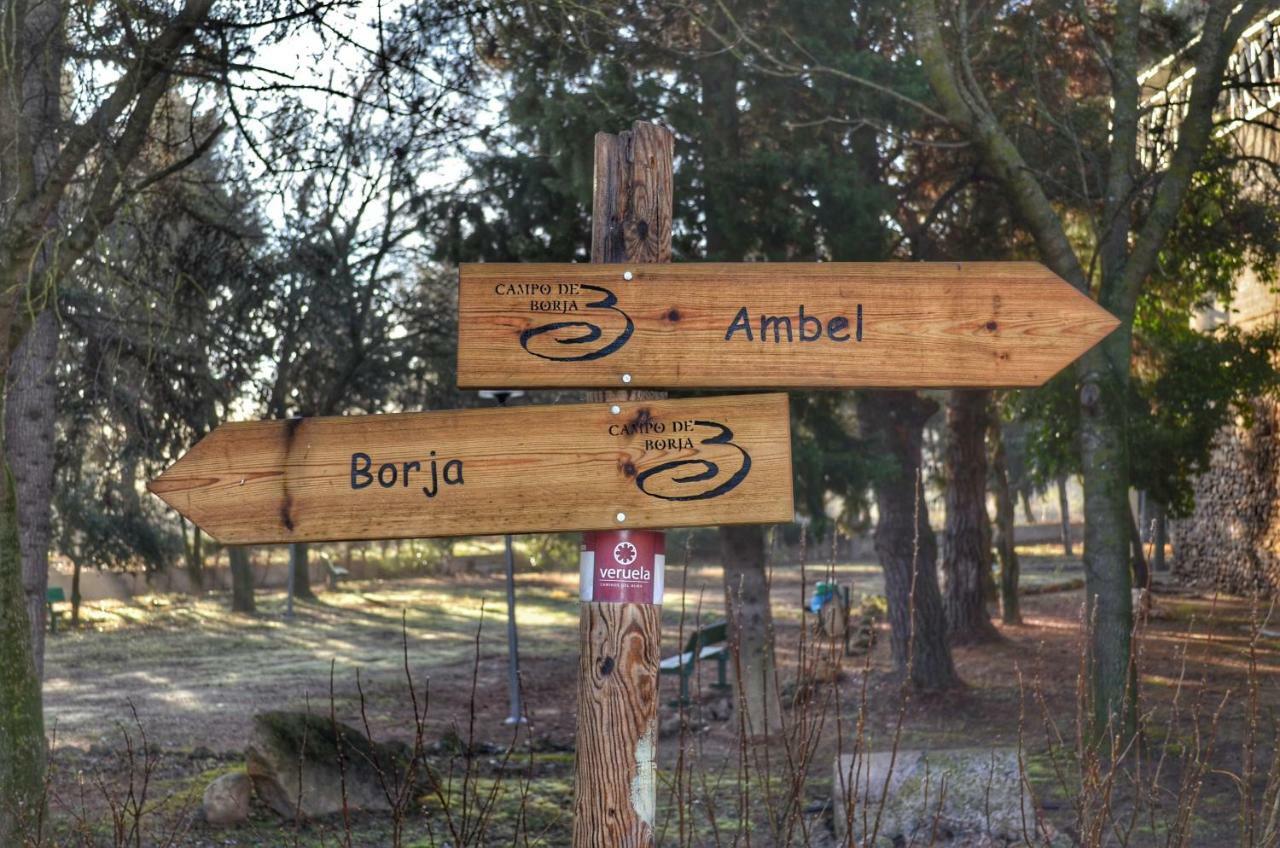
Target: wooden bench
[
  {"x": 54, "y": 595},
  {"x": 706, "y": 643},
  {"x": 336, "y": 574}
]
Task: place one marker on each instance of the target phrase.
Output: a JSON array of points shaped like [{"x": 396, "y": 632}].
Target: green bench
[
  {"x": 54, "y": 595},
  {"x": 706, "y": 643}
]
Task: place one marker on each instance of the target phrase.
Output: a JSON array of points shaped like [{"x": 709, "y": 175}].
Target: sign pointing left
[{"x": 669, "y": 463}]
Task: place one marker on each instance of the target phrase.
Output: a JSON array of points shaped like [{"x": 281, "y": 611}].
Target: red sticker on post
[{"x": 623, "y": 566}]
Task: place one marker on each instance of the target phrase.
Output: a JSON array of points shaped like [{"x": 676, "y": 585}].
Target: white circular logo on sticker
[{"x": 624, "y": 553}]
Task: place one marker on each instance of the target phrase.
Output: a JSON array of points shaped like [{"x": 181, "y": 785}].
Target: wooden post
[{"x": 615, "y": 790}]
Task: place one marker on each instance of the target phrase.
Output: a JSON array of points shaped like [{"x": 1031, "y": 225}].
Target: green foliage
[
  {"x": 1188, "y": 383},
  {"x": 552, "y": 551},
  {"x": 829, "y": 462}
]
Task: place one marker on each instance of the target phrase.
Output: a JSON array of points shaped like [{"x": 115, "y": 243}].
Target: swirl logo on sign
[
  {"x": 589, "y": 332},
  {"x": 698, "y": 479}
]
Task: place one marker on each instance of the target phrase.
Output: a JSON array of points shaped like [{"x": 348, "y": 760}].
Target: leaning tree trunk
[
  {"x": 904, "y": 541},
  {"x": 1024, "y": 492},
  {"x": 1006, "y": 544},
  {"x": 29, "y": 435},
  {"x": 241, "y": 579},
  {"x": 966, "y": 554},
  {"x": 746, "y": 585},
  {"x": 1104, "y": 373}
]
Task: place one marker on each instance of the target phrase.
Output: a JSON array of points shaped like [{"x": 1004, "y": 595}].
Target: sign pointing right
[{"x": 771, "y": 325}]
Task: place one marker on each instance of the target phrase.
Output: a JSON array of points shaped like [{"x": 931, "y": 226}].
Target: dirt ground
[{"x": 196, "y": 674}]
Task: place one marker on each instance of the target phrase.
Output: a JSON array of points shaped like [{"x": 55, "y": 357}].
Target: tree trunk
[
  {"x": 1064, "y": 511},
  {"x": 22, "y": 743},
  {"x": 242, "y": 599},
  {"x": 742, "y": 549},
  {"x": 966, "y": 555},
  {"x": 1161, "y": 537},
  {"x": 195, "y": 558},
  {"x": 904, "y": 541},
  {"x": 1104, "y": 375},
  {"x": 1006, "y": 543},
  {"x": 746, "y": 584},
  {"x": 1025, "y": 493},
  {"x": 75, "y": 593},
  {"x": 1141, "y": 574},
  {"x": 35, "y": 49},
  {"x": 300, "y": 561},
  {"x": 29, "y": 435},
  {"x": 990, "y": 589}
]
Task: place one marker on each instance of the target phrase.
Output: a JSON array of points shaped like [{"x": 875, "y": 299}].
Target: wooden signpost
[
  {"x": 633, "y": 460},
  {"x": 756, "y": 325},
  {"x": 669, "y": 463}
]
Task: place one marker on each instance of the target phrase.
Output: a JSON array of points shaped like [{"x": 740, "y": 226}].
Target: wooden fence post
[{"x": 615, "y": 791}]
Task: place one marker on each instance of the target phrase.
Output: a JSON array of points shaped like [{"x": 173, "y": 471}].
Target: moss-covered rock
[{"x": 307, "y": 765}]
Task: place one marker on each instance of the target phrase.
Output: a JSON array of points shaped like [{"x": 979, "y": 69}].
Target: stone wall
[{"x": 1232, "y": 540}]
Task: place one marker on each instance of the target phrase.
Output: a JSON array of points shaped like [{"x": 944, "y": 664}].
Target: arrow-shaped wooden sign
[
  {"x": 718, "y": 325},
  {"x": 669, "y": 463}
]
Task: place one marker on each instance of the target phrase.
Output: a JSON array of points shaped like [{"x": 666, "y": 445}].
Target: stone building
[{"x": 1232, "y": 540}]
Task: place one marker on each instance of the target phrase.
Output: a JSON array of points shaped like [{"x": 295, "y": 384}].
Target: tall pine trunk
[
  {"x": 31, "y": 111},
  {"x": 1109, "y": 604},
  {"x": 904, "y": 541},
  {"x": 242, "y": 599},
  {"x": 966, "y": 552},
  {"x": 22, "y": 745},
  {"x": 29, "y": 439},
  {"x": 746, "y": 587},
  {"x": 1006, "y": 544}
]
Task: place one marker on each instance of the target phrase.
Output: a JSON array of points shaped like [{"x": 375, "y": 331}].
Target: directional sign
[
  {"x": 713, "y": 325},
  {"x": 601, "y": 466}
]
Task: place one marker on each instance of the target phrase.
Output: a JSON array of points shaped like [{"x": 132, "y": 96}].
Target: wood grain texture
[
  {"x": 631, "y": 198},
  {"x": 923, "y": 325},
  {"x": 523, "y": 469},
  {"x": 615, "y": 791},
  {"x": 614, "y": 783}
]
